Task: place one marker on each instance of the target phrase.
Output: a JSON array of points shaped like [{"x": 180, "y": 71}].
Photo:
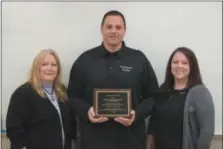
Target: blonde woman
[{"x": 38, "y": 115}]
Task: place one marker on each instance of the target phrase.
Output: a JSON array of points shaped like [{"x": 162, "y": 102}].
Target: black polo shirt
[
  {"x": 167, "y": 119},
  {"x": 126, "y": 68}
]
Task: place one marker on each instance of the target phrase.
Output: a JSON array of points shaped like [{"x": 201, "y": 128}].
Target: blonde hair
[{"x": 35, "y": 80}]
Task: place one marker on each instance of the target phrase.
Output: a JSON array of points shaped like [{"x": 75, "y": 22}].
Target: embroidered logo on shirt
[{"x": 126, "y": 68}]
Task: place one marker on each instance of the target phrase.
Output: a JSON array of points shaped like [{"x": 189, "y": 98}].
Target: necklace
[{"x": 48, "y": 91}]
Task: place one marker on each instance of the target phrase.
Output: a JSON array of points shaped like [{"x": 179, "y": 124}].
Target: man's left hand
[{"x": 126, "y": 121}]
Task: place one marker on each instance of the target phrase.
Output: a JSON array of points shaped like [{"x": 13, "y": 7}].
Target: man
[{"x": 112, "y": 65}]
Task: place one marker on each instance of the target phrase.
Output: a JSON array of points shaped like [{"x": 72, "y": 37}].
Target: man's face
[{"x": 113, "y": 30}]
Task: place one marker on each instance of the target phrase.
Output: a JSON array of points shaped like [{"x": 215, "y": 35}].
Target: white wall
[
  {"x": 73, "y": 27},
  {"x": 0, "y": 80}
]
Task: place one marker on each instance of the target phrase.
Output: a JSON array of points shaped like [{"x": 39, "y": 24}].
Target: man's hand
[
  {"x": 126, "y": 121},
  {"x": 91, "y": 116}
]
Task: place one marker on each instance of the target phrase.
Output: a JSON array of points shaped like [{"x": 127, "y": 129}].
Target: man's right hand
[{"x": 91, "y": 116}]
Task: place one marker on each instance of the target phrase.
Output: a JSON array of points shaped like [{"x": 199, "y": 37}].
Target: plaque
[{"x": 112, "y": 103}]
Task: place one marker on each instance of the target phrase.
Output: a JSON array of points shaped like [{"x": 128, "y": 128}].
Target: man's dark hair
[{"x": 113, "y": 13}]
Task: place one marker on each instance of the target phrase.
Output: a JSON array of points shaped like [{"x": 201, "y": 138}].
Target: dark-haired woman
[{"x": 183, "y": 116}]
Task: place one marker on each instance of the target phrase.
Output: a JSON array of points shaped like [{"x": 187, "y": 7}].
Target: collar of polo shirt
[{"x": 120, "y": 53}]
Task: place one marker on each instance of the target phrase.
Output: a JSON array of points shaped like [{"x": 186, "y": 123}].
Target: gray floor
[{"x": 216, "y": 143}]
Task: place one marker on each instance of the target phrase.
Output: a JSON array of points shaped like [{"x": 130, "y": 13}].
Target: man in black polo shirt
[{"x": 112, "y": 65}]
